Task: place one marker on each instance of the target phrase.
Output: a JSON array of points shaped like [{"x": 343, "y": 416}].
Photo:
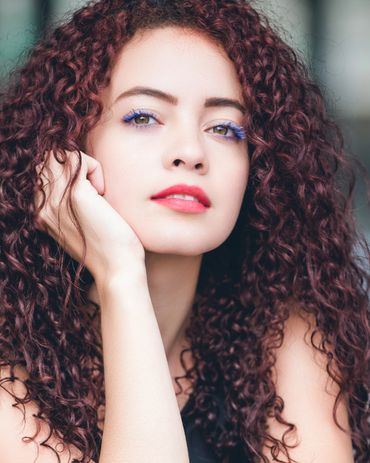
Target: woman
[{"x": 222, "y": 320}]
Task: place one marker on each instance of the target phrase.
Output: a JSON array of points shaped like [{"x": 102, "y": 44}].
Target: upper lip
[{"x": 183, "y": 189}]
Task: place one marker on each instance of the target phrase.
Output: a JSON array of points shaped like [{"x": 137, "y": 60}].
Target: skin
[{"x": 181, "y": 145}]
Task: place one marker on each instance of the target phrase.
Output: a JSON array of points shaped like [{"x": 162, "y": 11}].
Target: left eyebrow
[{"x": 210, "y": 102}]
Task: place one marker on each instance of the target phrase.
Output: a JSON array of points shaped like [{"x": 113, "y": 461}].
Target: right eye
[{"x": 139, "y": 118}]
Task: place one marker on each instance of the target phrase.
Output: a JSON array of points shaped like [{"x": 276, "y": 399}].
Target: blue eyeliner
[
  {"x": 236, "y": 129},
  {"x": 135, "y": 113}
]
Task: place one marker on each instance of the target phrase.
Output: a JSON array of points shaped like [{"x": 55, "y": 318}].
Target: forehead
[{"x": 177, "y": 60}]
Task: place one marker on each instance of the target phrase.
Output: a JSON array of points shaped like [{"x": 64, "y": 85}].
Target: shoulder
[
  {"x": 309, "y": 394},
  {"x": 18, "y": 423}
]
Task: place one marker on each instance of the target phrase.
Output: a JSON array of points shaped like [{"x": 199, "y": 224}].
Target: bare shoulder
[
  {"x": 17, "y": 424},
  {"x": 309, "y": 394}
]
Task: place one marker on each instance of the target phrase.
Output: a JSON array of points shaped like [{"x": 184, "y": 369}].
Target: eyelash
[{"x": 238, "y": 131}]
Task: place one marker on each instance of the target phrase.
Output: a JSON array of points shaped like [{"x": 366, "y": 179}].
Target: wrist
[
  {"x": 119, "y": 268},
  {"x": 122, "y": 282}
]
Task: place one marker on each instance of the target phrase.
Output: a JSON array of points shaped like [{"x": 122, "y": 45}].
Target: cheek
[
  {"x": 122, "y": 184},
  {"x": 121, "y": 163}
]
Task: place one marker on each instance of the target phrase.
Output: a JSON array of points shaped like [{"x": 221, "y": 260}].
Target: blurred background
[{"x": 332, "y": 36}]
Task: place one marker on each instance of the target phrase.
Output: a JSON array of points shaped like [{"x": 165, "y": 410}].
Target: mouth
[
  {"x": 184, "y": 193},
  {"x": 183, "y": 198}
]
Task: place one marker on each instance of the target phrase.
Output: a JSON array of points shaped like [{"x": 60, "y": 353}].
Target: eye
[
  {"x": 139, "y": 118},
  {"x": 226, "y": 127}
]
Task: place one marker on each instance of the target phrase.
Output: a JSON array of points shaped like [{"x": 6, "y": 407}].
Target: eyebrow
[{"x": 210, "y": 102}]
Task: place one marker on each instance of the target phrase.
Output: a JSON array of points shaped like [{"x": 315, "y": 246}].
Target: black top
[{"x": 199, "y": 450}]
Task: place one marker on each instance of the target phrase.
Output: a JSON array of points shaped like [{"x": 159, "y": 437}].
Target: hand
[{"x": 111, "y": 244}]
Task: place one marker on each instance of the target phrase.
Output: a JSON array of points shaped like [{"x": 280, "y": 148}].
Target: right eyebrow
[{"x": 210, "y": 102}]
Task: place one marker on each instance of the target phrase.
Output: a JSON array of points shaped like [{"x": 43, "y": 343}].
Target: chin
[{"x": 181, "y": 248}]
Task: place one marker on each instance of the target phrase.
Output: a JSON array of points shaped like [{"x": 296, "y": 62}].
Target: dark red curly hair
[{"x": 295, "y": 241}]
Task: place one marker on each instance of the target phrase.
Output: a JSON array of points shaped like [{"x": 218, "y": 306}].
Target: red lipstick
[{"x": 198, "y": 203}]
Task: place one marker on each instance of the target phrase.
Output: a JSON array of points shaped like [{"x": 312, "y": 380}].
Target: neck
[{"x": 172, "y": 282}]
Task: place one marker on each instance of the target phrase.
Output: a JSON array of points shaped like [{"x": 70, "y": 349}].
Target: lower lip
[{"x": 182, "y": 205}]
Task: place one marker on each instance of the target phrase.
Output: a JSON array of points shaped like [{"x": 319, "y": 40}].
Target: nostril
[{"x": 197, "y": 166}]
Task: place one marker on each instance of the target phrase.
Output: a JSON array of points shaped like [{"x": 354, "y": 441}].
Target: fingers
[
  {"x": 55, "y": 176},
  {"x": 51, "y": 170},
  {"x": 95, "y": 174},
  {"x": 91, "y": 170}
]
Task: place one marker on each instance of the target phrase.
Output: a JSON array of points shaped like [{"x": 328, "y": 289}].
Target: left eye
[
  {"x": 140, "y": 119},
  {"x": 224, "y": 129}
]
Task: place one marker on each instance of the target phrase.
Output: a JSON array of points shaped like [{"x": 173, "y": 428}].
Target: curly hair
[{"x": 295, "y": 242}]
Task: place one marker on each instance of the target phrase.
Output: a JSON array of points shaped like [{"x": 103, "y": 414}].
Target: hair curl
[{"x": 294, "y": 241}]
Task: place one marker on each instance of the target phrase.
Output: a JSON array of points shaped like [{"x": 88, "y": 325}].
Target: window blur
[{"x": 333, "y": 37}]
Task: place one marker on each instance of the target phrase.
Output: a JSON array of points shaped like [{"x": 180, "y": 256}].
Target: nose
[{"x": 187, "y": 152}]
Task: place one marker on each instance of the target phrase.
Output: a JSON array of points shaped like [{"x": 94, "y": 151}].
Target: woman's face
[{"x": 147, "y": 143}]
